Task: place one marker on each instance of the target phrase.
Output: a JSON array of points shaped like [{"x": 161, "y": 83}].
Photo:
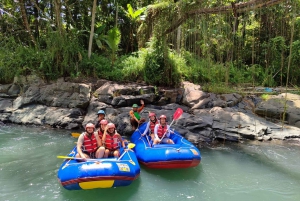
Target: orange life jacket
[
  {"x": 112, "y": 142},
  {"x": 161, "y": 130},
  {"x": 90, "y": 143},
  {"x": 152, "y": 125}
]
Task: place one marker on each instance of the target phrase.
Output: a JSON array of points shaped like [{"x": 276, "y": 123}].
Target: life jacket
[
  {"x": 100, "y": 133},
  {"x": 161, "y": 130},
  {"x": 152, "y": 125},
  {"x": 90, "y": 143},
  {"x": 112, "y": 142},
  {"x": 137, "y": 115}
]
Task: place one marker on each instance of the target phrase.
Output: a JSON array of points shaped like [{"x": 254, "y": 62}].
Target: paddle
[
  {"x": 129, "y": 146},
  {"x": 176, "y": 116},
  {"x": 76, "y": 135}
]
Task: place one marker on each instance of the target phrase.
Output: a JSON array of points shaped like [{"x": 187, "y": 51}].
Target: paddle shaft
[{"x": 167, "y": 130}]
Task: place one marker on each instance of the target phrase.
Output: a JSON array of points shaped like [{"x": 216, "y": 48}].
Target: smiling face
[
  {"x": 111, "y": 130},
  {"x": 89, "y": 130},
  {"x": 162, "y": 121},
  {"x": 152, "y": 118}
]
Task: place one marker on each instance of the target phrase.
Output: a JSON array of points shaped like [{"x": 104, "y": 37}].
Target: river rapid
[{"x": 230, "y": 171}]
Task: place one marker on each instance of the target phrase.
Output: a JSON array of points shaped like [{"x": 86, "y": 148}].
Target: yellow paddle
[
  {"x": 129, "y": 146},
  {"x": 76, "y": 135}
]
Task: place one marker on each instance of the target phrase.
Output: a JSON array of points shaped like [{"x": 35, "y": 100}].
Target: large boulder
[
  {"x": 60, "y": 94},
  {"x": 277, "y": 106}
]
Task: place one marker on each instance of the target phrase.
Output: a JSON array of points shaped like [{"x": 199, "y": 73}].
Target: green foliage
[
  {"x": 161, "y": 67},
  {"x": 113, "y": 39},
  {"x": 133, "y": 15}
]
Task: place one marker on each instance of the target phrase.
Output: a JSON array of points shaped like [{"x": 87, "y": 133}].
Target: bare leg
[
  {"x": 116, "y": 153},
  {"x": 100, "y": 152},
  {"x": 106, "y": 153}
]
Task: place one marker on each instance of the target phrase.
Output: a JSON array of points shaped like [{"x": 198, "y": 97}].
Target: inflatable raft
[
  {"x": 99, "y": 173},
  {"x": 182, "y": 154}
]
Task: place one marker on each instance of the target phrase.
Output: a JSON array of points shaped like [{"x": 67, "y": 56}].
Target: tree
[{"x": 92, "y": 28}]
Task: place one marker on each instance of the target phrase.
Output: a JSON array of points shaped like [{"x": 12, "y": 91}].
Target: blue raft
[
  {"x": 99, "y": 173},
  {"x": 182, "y": 154}
]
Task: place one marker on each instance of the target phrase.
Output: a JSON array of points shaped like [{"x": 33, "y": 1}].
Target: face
[
  {"x": 152, "y": 118},
  {"x": 162, "y": 121},
  {"x": 89, "y": 130},
  {"x": 111, "y": 130},
  {"x": 103, "y": 126},
  {"x": 101, "y": 116},
  {"x": 135, "y": 109}
]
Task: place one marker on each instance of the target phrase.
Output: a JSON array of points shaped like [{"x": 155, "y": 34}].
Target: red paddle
[{"x": 176, "y": 116}]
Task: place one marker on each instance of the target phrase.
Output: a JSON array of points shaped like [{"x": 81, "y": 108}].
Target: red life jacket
[
  {"x": 112, "y": 142},
  {"x": 161, "y": 131},
  {"x": 100, "y": 133},
  {"x": 152, "y": 125},
  {"x": 90, "y": 144}
]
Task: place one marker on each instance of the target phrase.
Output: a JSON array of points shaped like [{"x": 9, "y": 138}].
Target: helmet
[
  {"x": 104, "y": 121},
  {"x": 152, "y": 114},
  {"x": 90, "y": 125},
  {"x": 101, "y": 112},
  {"x": 163, "y": 116},
  {"x": 111, "y": 125},
  {"x": 135, "y": 105}
]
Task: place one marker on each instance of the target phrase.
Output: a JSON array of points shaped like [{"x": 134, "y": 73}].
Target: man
[
  {"x": 135, "y": 118},
  {"x": 101, "y": 116},
  {"x": 162, "y": 131},
  {"x": 89, "y": 144}
]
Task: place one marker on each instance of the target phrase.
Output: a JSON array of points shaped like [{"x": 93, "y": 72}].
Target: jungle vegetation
[{"x": 159, "y": 42}]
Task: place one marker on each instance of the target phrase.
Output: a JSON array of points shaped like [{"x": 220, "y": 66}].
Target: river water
[{"x": 244, "y": 171}]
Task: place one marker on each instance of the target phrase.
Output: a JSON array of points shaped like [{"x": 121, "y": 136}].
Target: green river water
[{"x": 245, "y": 171}]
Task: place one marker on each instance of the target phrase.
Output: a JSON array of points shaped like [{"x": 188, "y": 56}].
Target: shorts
[
  {"x": 165, "y": 140},
  {"x": 111, "y": 152},
  {"x": 91, "y": 154}
]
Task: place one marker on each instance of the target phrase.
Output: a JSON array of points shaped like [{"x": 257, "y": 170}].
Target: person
[
  {"x": 112, "y": 141},
  {"x": 103, "y": 124},
  {"x": 101, "y": 116},
  {"x": 89, "y": 144},
  {"x": 150, "y": 125},
  {"x": 162, "y": 131},
  {"x": 135, "y": 118}
]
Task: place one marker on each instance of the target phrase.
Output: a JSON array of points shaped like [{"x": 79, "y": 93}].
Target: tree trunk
[
  {"x": 92, "y": 28},
  {"x": 58, "y": 17},
  {"x": 25, "y": 22}
]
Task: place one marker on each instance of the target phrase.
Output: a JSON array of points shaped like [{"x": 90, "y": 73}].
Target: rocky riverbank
[{"x": 71, "y": 104}]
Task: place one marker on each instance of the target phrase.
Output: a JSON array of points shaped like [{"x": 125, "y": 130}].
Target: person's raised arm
[
  {"x": 142, "y": 106},
  {"x": 104, "y": 135}
]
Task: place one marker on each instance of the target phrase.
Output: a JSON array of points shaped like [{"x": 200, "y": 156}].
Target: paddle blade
[
  {"x": 131, "y": 145},
  {"x": 76, "y": 135},
  {"x": 177, "y": 113}
]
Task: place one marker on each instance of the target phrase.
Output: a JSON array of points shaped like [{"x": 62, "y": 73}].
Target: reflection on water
[{"x": 248, "y": 171}]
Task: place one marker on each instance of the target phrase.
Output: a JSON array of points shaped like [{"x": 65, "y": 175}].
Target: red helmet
[
  {"x": 103, "y": 122},
  {"x": 163, "y": 116},
  {"x": 111, "y": 125},
  {"x": 152, "y": 114},
  {"x": 90, "y": 125}
]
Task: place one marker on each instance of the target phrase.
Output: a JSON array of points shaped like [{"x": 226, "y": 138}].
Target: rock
[{"x": 274, "y": 108}]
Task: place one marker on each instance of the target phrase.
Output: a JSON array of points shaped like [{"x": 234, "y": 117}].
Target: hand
[
  {"x": 143, "y": 134},
  {"x": 83, "y": 158},
  {"x": 142, "y": 102}
]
